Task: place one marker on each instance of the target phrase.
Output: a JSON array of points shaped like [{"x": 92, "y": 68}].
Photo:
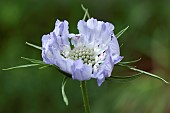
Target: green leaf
[
  {"x": 121, "y": 45},
  {"x": 63, "y": 92},
  {"x": 129, "y": 62},
  {"x": 21, "y": 66},
  {"x": 124, "y": 65},
  {"x": 125, "y": 78},
  {"x": 86, "y": 12},
  {"x": 121, "y": 32},
  {"x": 37, "y": 62},
  {"x": 144, "y": 72},
  {"x": 35, "y": 46},
  {"x": 33, "y": 60},
  {"x": 47, "y": 65},
  {"x": 150, "y": 74}
]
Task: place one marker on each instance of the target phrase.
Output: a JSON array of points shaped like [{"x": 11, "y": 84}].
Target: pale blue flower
[{"x": 96, "y": 49}]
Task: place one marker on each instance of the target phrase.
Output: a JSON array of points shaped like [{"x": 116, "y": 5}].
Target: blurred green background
[{"x": 32, "y": 90}]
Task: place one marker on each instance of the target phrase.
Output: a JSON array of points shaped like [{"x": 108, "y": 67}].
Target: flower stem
[{"x": 85, "y": 97}]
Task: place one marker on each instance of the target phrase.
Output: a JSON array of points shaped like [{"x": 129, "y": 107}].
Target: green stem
[{"x": 85, "y": 97}]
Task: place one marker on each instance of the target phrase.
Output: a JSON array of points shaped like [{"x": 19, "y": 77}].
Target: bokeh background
[{"x": 30, "y": 90}]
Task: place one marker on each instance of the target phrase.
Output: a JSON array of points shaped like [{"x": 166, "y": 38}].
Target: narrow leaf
[
  {"x": 35, "y": 46},
  {"x": 21, "y": 66},
  {"x": 33, "y": 60},
  {"x": 45, "y": 66},
  {"x": 63, "y": 91},
  {"x": 133, "y": 61},
  {"x": 125, "y": 78},
  {"x": 86, "y": 12},
  {"x": 150, "y": 74},
  {"x": 121, "y": 45},
  {"x": 124, "y": 65},
  {"x": 121, "y": 32},
  {"x": 144, "y": 72},
  {"x": 85, "y": 15}
]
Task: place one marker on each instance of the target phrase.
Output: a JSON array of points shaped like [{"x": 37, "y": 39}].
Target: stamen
[
  {"x": 88, "y": 56},
  {"x": 84, "y": 53}
]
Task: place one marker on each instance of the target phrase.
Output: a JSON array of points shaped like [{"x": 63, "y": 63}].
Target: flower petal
[
  {"x": 54, "y": 43},
  {"x": 47, "y": 55},
  {"x": 51, "y": 55},
  {"x": 61, "y": 35},
  {"x": 100, "y": 79},
  {"x": 81, "y": 71},
  {"x": 114, "y": 50},
  {"x": 61, "y": 28},
  {"x": 105, "y": 70},
  {"x": 62, "y": 63},
  {"x": 95, "y": 33}
]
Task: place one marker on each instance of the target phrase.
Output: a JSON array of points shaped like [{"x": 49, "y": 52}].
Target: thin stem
[
  {"x": 85, "y": 97},
  {"x": 86, "y": 12}
]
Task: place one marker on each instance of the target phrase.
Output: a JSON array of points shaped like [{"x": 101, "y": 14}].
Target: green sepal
[
  {"x": 144, "y": 72},
  {"x": 121, "y": 32},
  {"x": 124, "y": 78},
  {"x": 33, "y": 45},
  {"x": 86, "y": 12},
  {"x": 63, "y": 90},
  {"x": 34, "y": 63},
  {"x": 38, "y": 62},
  {"x": 150, "y": 74},
  {"x": 21, "y": 66},
  {"x": 45, "y": 66},
  {"x": 129, "y": 62},
  {"x": 33, "y": 60}
]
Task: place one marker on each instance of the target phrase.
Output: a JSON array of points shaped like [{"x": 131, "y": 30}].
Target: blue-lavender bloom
[{"x": 96, "y": 49}]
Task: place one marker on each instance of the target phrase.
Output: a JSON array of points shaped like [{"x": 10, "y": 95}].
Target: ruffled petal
[
  {"x": 61, "y": 35},
  {"x": 105, "y": 70},
  {"x": 47, "y": 42},
  {"x": 51, "y": 55},
  {"x": 95, "y": 33},
  {"x": 81, "y": 71},
  {"x": 62, "y": 63},
  {"x": 114, "y": 50},
  {"x": 113, "y": 57},
  {"x": 100, "y": 79},
  {"x": 77, "y": 40},
  {"x": 55, "y": 43}
]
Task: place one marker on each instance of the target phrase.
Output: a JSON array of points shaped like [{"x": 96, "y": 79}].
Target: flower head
[{"x": 96, "y": 49}]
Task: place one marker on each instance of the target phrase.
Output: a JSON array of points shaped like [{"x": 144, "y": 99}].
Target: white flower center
[
  {"x": 84, "y": 53},
  {"x": 87, "y": 55}
]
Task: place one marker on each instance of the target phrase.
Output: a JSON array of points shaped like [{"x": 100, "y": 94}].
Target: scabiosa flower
[{"x": 90, "y": 54}]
